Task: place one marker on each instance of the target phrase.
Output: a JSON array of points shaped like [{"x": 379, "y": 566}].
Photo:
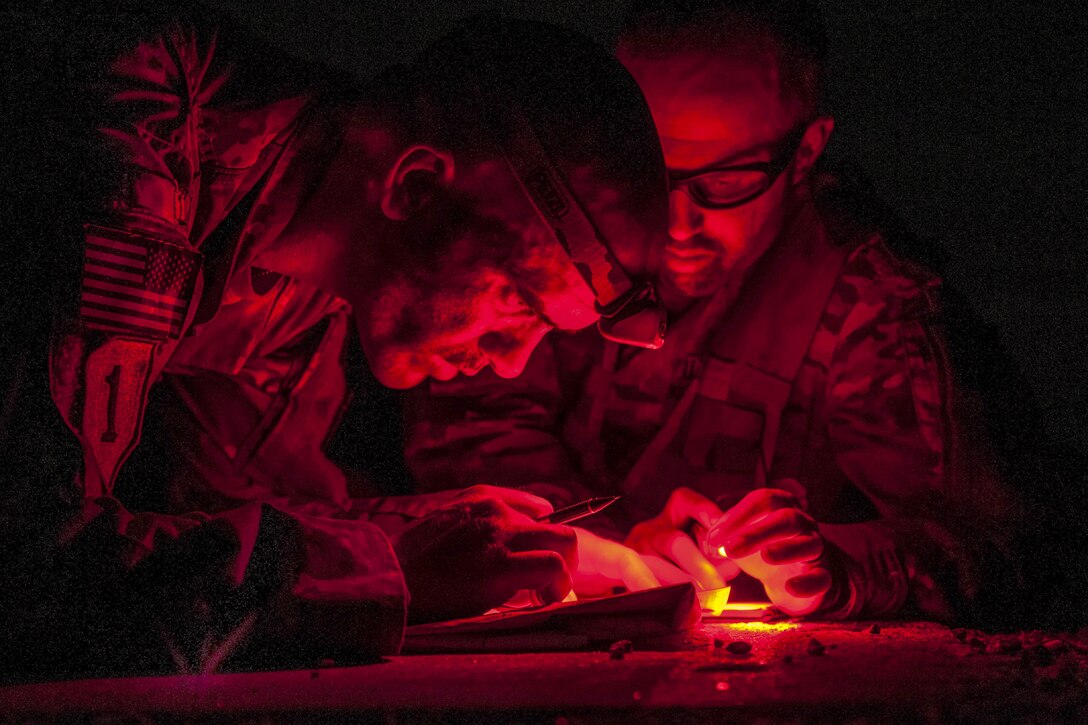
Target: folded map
[{"x": 563, "y": 626}]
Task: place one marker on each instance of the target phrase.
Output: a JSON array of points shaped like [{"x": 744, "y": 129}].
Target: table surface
[{"x": 902, "y": 672}]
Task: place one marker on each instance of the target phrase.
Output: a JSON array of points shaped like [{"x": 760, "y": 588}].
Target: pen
[{"x": 579, "y": 510}]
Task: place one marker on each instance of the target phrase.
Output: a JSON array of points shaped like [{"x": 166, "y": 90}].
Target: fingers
[
  {"x": 635, "y": 574},
  {"x": 810, "y": 584},
  {"x": 781, "y": 524},
  {"x": 685, "y": 506},
  {"x": 542, "y": 571},
  {"x": 727, "y": 569},
  {"x": 542, "y": 537},
  {"x": 599, "y": 557},
  {"x": 521, "y": 501},
  {"x": 660, "y": 538},
  {"x": 758, "y": 503},
  {"x": 799, "y": 548},
  {"x": 640, "y": 537},
  {"x": 682, "y": 551},
  {"x": 665, "y": 571}
]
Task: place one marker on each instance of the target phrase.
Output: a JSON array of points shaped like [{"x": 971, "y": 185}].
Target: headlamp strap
[{"x": 560, "y": 210}]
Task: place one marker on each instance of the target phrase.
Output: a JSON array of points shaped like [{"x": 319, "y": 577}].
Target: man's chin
[{"x": 689, "y": 286}]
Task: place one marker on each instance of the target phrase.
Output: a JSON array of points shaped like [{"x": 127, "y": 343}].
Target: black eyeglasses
[{"x": 726, "y": 187}]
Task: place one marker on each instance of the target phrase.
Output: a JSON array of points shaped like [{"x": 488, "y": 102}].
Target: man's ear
[
  {"x": 413, "y": 179},
  {"x": 811, "y": 146}
]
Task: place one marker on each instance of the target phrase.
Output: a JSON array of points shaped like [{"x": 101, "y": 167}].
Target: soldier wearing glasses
[{"x": 803, "y": 418}]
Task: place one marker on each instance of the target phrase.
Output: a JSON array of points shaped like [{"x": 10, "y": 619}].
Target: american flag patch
[{"x": 135, "y": 285}]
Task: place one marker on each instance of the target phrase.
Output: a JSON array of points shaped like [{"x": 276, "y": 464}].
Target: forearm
[{"x": 143, "y": 593}]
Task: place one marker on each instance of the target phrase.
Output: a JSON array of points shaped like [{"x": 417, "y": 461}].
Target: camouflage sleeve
[
  {"x": 940, "y": 547},
  {"x": 182, "y": 585},
  {"x": 137, "y": 169},
  {"x": 486, "y": 429}
]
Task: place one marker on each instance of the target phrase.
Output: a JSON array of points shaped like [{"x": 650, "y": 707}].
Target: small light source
[{"x": 721, "y": 552}]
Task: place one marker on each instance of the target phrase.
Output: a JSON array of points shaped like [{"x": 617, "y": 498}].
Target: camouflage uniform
[
  {"x": 872, "y": 431},
  {"x": 201, "y": 146}
]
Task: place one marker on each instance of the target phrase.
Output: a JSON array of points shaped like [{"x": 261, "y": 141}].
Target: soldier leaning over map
[{"x": 806, "y": 391}]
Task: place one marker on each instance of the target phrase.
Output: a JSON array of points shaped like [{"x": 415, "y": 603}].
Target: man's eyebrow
[{"x": 727, "y": 160}]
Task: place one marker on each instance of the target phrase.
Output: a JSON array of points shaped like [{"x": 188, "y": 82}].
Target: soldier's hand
[
  {"x": 667, "y": 536},
  {"x": 476, "y": 552},
  {"x": 770, "y": 537},
  {"x": 604, "y": 565}
]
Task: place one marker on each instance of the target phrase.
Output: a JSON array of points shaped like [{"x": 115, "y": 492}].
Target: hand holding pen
[{"x": 603, "y": 565}]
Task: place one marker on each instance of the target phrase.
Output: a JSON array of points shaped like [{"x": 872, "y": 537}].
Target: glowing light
[
  {"x": 762, "y": 626},
  {"x": 714, "y": 601},
  {"x": 748, "y": 617},
  {"x": 745, "y": 607},
  {"x": 721, "y": 552}
]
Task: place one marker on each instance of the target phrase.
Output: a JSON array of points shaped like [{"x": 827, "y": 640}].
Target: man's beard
[
  {"x": 447, "y": 247},
  {"x": 699, "y": 283}
]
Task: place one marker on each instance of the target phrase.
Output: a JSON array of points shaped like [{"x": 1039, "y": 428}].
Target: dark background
[{"x": 968, "y": 117}]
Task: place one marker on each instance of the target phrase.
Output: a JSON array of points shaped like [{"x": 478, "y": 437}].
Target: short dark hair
[
  {"x": 471, "y": 89},
  {"x": 796, "y": 25},
  {"x": 579, "y": 100}
]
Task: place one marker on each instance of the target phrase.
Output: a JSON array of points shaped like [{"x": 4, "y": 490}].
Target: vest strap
[{"x": 755, "y": 354}]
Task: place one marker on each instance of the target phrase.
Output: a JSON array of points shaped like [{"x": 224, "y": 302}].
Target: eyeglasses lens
[{"x": 727, "y": 187}]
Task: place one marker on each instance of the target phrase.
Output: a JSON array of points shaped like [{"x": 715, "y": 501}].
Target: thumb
[{"x": 614, "y": 561}]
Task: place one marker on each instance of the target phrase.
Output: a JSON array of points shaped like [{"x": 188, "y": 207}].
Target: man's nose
[
  {"x": 509, "y": 353},
  {"x": 685, "y": 216}
]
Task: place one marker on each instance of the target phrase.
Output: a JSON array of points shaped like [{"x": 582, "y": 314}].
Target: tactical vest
[{"x": 720, "y": 437}]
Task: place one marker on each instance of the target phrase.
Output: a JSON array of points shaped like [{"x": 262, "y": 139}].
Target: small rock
[
  {"x": 1055, "y": 646},
  {"x": 620, "y": 648},
  {"x": 815, "y": 647},
  {"x": 738, "y": 647},
  {"x": 718, "y": 644},
  {"x": 875, "y": 629}
]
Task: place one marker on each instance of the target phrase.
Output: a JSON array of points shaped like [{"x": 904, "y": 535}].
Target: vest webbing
[{"x": 757, "y": 350}]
